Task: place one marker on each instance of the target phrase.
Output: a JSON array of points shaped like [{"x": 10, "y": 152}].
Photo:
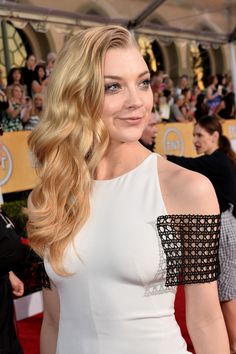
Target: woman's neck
[{"x": 120, "y": 159}]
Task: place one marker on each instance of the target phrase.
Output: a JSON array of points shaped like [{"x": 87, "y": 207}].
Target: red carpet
[{"x": 29, "y": 329}]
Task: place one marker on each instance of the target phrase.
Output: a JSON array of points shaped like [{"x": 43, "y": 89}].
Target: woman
[
  {"x": 12, "y": 117},
  {"x": 219, "y": 164},
  {"x": 227, "y": 108},
  {"x": 32, "y": 112},
  {"x": 188, "y": 107},
  {"x": 213, "y": 95},
  {"x": 28, "y": 72},
  {"x": 201, "y": 106},
  {"x": 98, "y": 216},
  {"x": 39, "y": 84},
  {"x": 15, "y": 78}
]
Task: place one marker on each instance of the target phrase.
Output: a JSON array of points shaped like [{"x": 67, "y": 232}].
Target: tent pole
[{"x": 233, "y": 66}]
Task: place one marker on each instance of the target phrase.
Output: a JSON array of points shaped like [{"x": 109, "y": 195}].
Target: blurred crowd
[
  {"x": 22, "y": 98},
  {"x": 188, "y": 103}
]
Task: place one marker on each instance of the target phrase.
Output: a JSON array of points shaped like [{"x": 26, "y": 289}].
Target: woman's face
[
  {"x": 17, "y": 92},
  {"x": 31, "y": 62},
  {"x": 204, "y": 142},
  {"x": 128, "y": 95},
  {"x": 38, "y": 102},
  {"x": 16, "y": 75},
  {"x": 41, "y": 73}
]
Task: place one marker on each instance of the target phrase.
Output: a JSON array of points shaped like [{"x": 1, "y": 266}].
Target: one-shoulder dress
[{"x": 125, "y": 262}]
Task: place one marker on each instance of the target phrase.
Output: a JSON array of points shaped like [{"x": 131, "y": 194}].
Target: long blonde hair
[{"x": 70, "y": 141}]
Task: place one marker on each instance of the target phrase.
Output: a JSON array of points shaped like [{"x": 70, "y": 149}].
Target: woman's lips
[{"x": 131, "y": 120}]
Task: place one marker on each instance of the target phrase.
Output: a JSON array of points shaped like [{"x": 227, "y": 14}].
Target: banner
[{"x": 17, "y": 172}]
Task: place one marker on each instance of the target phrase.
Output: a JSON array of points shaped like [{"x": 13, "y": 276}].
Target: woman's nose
[{"x": 133, "y": 99}]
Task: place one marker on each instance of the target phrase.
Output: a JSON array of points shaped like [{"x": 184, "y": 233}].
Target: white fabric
[{"x": 112, "y": 303}]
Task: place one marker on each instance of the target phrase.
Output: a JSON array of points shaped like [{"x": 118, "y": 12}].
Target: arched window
[{"x": 14, "y": 47}]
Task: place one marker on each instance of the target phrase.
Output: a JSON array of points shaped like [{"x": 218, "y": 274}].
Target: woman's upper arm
[{"x": 51, "y": 305}]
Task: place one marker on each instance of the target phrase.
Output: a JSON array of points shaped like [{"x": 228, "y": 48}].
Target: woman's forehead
[{"x": 119, "y": 61}]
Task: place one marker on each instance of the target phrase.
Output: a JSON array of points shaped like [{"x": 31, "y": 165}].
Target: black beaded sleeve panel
[
  {"x": 191, "y": 244},
  {"x": 41, "y": 278}
]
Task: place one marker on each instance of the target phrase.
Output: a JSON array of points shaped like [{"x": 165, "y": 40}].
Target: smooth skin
[{"x": 127, "y": 106}]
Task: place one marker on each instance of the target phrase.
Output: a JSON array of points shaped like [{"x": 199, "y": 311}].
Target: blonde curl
[{"x": 69, "y": 142}]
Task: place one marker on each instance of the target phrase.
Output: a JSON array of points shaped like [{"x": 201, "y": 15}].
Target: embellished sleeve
[
  {"x": 43, "y": 277},
  {"x": 190, "y": 244},
  {"x": 38, "y": 272}
]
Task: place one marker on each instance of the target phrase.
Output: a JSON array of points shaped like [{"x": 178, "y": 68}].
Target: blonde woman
[
  {"x": 32, "y": 112},
  {"x": 12, "y": 116},
  {"x": 118, "y": 227}
]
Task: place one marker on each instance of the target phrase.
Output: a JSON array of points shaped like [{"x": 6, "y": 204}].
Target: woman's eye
[
  {"x": 145, "y": 83},
  {"x": 112, "y": 88}
]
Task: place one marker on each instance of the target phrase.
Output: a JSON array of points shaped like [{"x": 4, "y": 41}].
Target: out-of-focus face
[
  {"x": 215, "y": 81},
  {"x": 41, "y": 73},
  {"x": 180, "y": 101},
  {"x": 38, "y": 102},
  {"x": 31, "y": 62},
  {"x": 128, "y": 96},
  {"x": 17, "y": 92},
  {"x": 16, "y": 75},
  {"x": 184, "y": 82},
  {"x": 204, "y": 142},
  {"x": 149, "y": 133}
]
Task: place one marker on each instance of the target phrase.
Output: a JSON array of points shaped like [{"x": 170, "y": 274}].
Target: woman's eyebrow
[{"x": 115, "y": 77}]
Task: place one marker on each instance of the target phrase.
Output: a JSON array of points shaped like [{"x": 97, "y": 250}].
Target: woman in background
[
  {"x": 15, "y": 78},
  {"x": 219, "y": 164},
  {"x": 32, "y": 112},
  {"x": 40, "y": 81},
  {"x": 10, "y": 284},
  {"x": 12, "y": 117}
]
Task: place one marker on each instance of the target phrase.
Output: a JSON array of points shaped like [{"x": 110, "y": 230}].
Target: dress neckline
[{"x": 98, "y": 181}]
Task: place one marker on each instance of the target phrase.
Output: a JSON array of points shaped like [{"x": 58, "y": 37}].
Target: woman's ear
[{"x": 215, "y": 137}]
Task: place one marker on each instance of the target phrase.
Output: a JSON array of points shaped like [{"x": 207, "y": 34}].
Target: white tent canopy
[
  {"x": 204, "y": 21},
  {"x": 221, "y": 28}
]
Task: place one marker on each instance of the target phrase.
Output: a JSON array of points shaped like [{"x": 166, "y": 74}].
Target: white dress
[{"x": 116, "y": 301}]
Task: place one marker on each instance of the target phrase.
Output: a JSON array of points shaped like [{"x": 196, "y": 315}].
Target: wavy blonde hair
[{"x": 70, "y": 141}]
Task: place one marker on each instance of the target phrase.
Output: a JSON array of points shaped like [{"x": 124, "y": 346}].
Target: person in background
[
  {"x": 2, "y": 81},
  {"x": 3, "y": 106},
  {"x": 40, "y": 81},
  {"x": 15, "y": 78},
  {"x": 218, "y": 163},
  {"x": 32, "y": 112},
  {"x": 107, "y": 213},
  {"x": 157, "y": 88},
  {"x": 183, "y": 84},
  {"x": 188, "y": 108},
  {"x": 51, "y": 58},
  {"x": 176, "y": 115},
  {"x": 226, "y": 109},
  {"x": 28, "y": 72},
  {"x": 11, "y": 253},
  {"x": 149, "y": 133},
  {"x": 12, "y": 118},
  {"x": 213, "y": 95},
  {"x": 201, "y": 106},
  {"x": 10, "y": 285}
]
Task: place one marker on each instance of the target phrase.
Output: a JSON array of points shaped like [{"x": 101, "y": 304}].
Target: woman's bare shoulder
[{"x": 185, "y": 191}]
